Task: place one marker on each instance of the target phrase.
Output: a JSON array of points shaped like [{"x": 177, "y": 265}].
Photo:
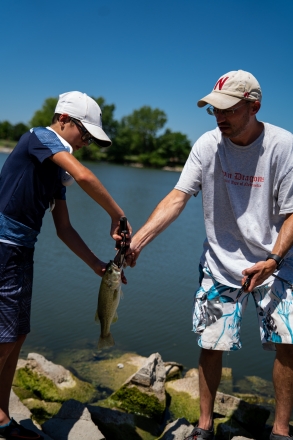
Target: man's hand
[
  {"x": 132, "y": 254},
  {"x": 259, "y": 273}
]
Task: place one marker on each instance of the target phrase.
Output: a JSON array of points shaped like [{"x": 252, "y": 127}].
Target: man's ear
[{"x": 255, "y": 107}]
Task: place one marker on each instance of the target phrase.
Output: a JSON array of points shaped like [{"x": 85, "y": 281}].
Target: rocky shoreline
[{"x": 144, "y": 398}]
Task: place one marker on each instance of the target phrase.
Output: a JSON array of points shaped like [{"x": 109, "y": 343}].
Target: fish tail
[{"x": 106, "y": 341}]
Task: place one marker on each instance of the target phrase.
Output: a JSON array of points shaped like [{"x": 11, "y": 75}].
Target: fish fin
[
  {"x": 97, "y": 319},
  {"x": 115, "y": 318},
  {"x": 108, "y": 341}
]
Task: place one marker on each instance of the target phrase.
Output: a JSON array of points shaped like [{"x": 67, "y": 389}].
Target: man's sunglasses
[
  {"x": 86, "y": 136},
  {"x": 213, "y": 111}
]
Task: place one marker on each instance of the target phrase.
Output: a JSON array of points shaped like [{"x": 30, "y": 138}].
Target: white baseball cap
[
  {"x": 232, "y": 88},
  {"x": 80, "y": 106}
]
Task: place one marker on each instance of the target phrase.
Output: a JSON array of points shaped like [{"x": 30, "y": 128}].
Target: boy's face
[{"x": 73, "y": 132}]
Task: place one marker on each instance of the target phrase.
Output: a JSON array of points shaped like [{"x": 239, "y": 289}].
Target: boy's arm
[
  {"x": 93, "y": 187},
  {"x": 72, "y": 239}
]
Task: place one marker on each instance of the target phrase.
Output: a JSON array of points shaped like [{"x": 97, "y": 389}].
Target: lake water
[{"x": 155, "y": 313}]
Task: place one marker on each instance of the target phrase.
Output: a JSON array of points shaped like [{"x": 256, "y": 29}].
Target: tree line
[{"x": 138, "y": 137}]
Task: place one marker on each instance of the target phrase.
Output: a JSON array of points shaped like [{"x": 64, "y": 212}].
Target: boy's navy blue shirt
[{"x": 28, "y": 182}]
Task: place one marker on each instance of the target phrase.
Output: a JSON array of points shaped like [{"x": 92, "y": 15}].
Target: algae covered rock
[
  {"x": 34, "y": 376},
  {"x": 184, "y": 396},
  {"x": 227, "y": 428},
  {"x": 42, "y": 410},
  {"x": 144, "y": 392},
  {"x": 118, "y": 425},
  {"x": 252, "y": 417}
]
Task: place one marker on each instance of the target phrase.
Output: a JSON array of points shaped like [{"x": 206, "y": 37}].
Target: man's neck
[{"x": 249, "y": 135}]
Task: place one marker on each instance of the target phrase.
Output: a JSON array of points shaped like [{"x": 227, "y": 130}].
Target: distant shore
[
  {"x": 5, "y": 149},
  {"x": 135, "y": 165}
]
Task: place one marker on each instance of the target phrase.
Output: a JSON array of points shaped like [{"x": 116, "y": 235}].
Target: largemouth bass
[{"x": 108, "y": 301}]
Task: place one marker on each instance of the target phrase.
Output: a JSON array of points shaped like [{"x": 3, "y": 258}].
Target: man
[
  {"x": 245, "y": 171},
  {"x": 34, "y": 177}
]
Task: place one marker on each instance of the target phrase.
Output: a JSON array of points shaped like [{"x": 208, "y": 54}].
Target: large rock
[
  {"x": 188, "y": 384},
  {"x": 228, "y": 428},
  {"x": 144, "y": 392},
  {"x": 252, "y": 417},
  {"x": 72, "y": 422},
  {"x": 177, "y": 430},
  {"x": 116, "y": 424},
  {"x": 22, "y": 415},
  {"x": 50, "y": 382},
  {"x": 61, "y": 377}
]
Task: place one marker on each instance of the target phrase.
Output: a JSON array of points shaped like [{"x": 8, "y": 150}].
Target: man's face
[{"x": 233, "y": 124}]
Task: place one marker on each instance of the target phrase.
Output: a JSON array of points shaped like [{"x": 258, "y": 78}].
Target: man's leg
[
  {"x": 210, "y": 371},
  {"x": 9, "y": 353},
  {"x": 283, "y": 383}
]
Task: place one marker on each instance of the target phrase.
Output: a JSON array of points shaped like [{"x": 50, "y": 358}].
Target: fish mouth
[{"x": 111, "y": 267}]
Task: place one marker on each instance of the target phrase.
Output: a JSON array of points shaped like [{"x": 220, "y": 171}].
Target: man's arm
[
  {"x": 163, "y": 215},
  {"x": 263, "y": 269},
  {"x": 72, "y": 239},
  {"x": 93, "y": 187}
]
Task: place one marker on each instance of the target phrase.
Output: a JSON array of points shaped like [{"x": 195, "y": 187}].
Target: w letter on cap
[{"x": 220, "y": 83}]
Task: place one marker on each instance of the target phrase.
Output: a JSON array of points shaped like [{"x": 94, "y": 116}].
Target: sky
[{"x": 167, "y": 54}]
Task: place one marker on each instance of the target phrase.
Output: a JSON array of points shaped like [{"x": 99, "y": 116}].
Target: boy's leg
[
  {"x": 9, "y": 353},
  {"x": 210, "y": 371}
]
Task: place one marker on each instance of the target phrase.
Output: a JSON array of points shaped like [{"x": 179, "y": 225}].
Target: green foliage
[
  {"x": 174, "y": 147},
  {"x": 143, "y": 125},
  {"x": 18, "y": 130},
  {"x": 12, "y": 132},
  {"x": 91, "y": 152},
  {"x": 6, "y": 130},
  {"x": 135, "y": 138},
  {"x": 134, "y": 401},
  {"x": 43, "y": 117},
  {"x": 110, "y": 125}
]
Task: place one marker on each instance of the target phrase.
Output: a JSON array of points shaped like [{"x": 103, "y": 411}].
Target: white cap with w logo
[{"x": 232, "y": 88}]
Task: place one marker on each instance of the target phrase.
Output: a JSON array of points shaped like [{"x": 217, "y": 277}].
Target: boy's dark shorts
[{"x": 16, "y": 280}]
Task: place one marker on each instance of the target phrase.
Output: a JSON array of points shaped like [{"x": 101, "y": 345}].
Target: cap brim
[
  {"x": 98, "y": 133},
  {"x": 218, "y": 100}
]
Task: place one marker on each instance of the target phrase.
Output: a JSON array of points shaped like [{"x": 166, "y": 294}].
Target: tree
[
  {"x": 43, "y": 117},
  {"x": 174, "y": 146},
  {"x": 110, "y": 125},
  {"x": 6, "y": 130},
  {"x": 18, "y": 130},
  {"x": 144, "y": 125}
]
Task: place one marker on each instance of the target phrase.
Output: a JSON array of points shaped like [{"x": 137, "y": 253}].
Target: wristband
[{"x": 278, "y": 260}]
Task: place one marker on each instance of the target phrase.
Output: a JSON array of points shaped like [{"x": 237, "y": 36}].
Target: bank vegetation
[{"x": 140, "y": 137}]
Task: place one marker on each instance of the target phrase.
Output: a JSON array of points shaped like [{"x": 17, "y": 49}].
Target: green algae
[
  {"x": 183, "y": 405},
  {"x": 41, "y": 410},
  {"x": 44, "y": 389},
  {"x": 103, "y": 372},
  {"x": 134, "y": 401}
]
